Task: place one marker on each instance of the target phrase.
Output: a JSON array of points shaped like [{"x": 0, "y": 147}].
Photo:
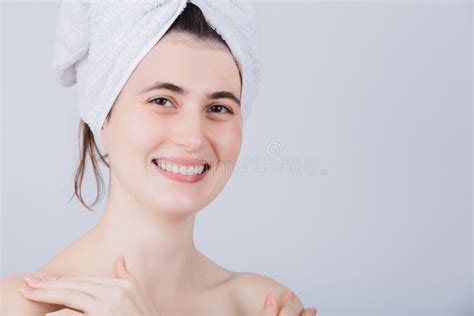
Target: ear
[
  {"x": 105, "y": 127},
  {"x": 104, "y": 134}
]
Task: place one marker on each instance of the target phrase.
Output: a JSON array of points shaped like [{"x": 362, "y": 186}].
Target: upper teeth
[{"x": 184, "y": 170}]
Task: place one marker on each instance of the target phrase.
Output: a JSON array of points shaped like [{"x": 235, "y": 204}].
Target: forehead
[{"x": 188, "y": 62}]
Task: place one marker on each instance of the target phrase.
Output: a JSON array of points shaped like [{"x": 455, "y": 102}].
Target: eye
[
  {"x": 160, "y": 101},
  {"x": 218, "y": 108}
]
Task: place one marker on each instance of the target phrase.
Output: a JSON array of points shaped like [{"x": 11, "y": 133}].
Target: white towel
[{"x": 100, "y": 43}]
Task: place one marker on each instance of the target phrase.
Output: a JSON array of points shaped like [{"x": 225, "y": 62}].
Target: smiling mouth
[{"x": 180, "y": 171}]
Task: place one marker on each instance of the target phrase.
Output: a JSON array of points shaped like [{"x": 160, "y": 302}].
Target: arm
[{"x": 12, "y": 302}]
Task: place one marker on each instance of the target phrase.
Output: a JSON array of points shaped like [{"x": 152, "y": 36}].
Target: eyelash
[{"x": 229, "y": 111}]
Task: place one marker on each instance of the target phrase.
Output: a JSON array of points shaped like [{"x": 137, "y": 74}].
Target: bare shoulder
[
  {"x": 14, "y": 303},
  {"x": 251, "y": 289}
]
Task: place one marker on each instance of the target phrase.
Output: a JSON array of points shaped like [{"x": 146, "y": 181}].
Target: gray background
[{"x": 374, "y": 98}]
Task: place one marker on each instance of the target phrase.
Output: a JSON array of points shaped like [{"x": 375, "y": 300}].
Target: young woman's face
[{"x": 152, "y": 125}]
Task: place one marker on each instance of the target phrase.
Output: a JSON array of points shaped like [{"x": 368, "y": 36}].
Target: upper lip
[{"x": 183, "y": 161}]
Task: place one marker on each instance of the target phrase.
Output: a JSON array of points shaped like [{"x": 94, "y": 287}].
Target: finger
[
  {"x": 309, "y": 312},
  {"x": 100, "y": 288},
  {"x": 296, "y": 299},
  {"x": 70, "y": 298},
  {"x": 43, "y": 275},
  {"x": 92, "y": 289},
  {"x": 287, "y": 295},
  {"x": 36, "y": 276},
  {"x": 121, "y": 270},
  {"x": 99, "y": 280},
  {"x": 290, "y": 309},
  {"x": 64, "y": 312},
  {"x": 290, "y": 295},
  {"x": 292, "y": 305},
  {"x": 270, "y": 307}
]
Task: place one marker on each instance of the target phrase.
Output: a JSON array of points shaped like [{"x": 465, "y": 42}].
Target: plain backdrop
[{"x": 354, "y": 184}]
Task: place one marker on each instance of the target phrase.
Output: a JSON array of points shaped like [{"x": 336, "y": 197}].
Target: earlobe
[
  {"x": 103, "y": 134},
  {"x": 103, "y": 130}
]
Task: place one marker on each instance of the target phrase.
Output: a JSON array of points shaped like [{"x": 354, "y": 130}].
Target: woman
[{"x": 171, "y": 145}]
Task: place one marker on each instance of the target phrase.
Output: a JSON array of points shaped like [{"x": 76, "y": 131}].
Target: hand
[
  {"x": 287, "y": 305},
  {"x": 93, "y": 295}
]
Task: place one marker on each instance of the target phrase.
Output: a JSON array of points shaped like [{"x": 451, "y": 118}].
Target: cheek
[
  {"x": 228, "y": 146},
  {"x": 140, "y": 131}
]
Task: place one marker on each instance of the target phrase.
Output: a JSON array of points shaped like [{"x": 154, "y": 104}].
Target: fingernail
[
  {"x": 27, "y": 290},
  {"x": 32, "y": 279},
  {"x": 313, "y": 310},
  {"x": 270, "y": 299}
]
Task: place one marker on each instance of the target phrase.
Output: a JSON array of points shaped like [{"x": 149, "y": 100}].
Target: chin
[{"x": 176, "y": 203}]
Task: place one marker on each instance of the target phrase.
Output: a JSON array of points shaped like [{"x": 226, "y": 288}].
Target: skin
[{"x": 148, "y": 218}]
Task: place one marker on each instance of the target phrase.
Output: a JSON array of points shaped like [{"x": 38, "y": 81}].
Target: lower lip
[{"x": 180, "y": 177}]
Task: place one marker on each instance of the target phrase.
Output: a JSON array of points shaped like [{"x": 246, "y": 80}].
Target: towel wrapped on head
[{"x": 100, "y": 43}]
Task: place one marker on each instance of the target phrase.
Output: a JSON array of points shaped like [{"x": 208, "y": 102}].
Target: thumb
[
  {"x": 121, "y": 270},
  {"x": 270, "y": 307}
]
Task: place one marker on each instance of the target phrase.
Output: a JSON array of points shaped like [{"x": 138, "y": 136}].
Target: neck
[{"x": 158, "y": 248}]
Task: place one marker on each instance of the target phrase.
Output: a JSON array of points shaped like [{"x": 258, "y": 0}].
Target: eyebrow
[{"x": 172, "y": 87}]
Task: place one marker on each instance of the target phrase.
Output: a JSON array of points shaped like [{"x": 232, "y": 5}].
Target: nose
[
  {"x": 193, "y": 144},
  {"x": 190, "y": 132}
]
